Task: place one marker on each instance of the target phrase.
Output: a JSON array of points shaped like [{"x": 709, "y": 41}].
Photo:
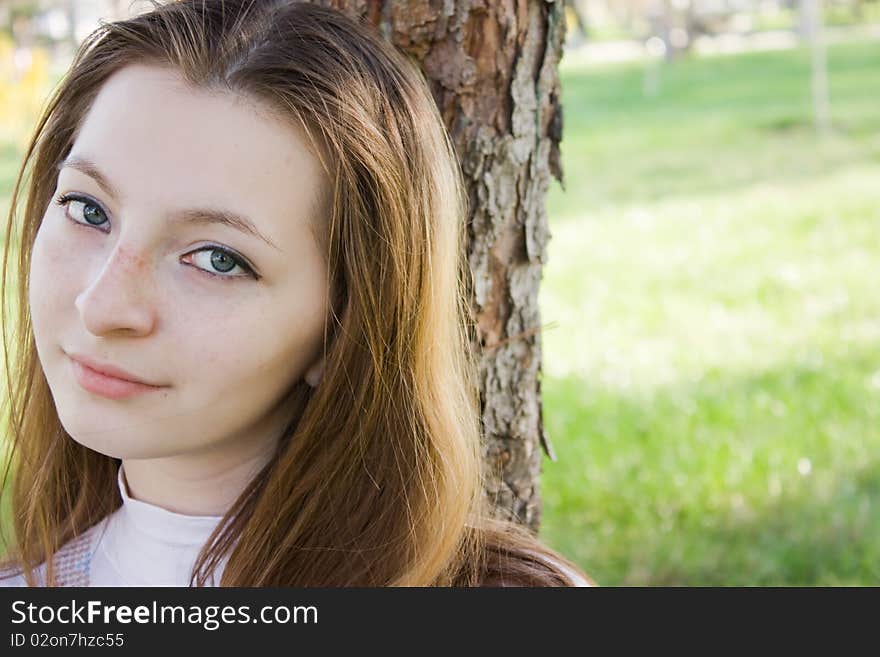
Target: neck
[{"x": 191, "y": 484}]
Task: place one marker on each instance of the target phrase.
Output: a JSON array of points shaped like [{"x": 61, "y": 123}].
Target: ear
[{"x": 315, "y": 372}]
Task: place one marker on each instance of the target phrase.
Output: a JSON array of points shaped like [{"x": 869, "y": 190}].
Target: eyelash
[{"x": 65, "y": 199}]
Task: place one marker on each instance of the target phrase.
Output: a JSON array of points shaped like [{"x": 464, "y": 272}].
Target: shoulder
[
  {"x": 71, "y": 562},
  {"x": 11, "y": 575},
  {"x": 512, "y": 556},
  {"x": 536, "y": 568},
  {"x": 575, "y": 576}
]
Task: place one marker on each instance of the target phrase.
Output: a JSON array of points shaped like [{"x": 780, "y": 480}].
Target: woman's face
[{"x": 134, "y": 272}]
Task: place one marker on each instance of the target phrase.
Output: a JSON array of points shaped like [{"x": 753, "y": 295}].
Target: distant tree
[
  {"x": 577, "y": 9},
  {"x": 18, "y": 16},
  {"x": 811, "y": 19},
  {"x": 70, "y": 11}
]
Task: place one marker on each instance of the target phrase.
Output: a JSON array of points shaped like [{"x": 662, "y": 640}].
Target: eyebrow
[{"x": 202, "y": 216}]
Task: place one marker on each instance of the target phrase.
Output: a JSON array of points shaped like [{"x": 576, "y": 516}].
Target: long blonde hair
[{"x": 390, "y": 440}]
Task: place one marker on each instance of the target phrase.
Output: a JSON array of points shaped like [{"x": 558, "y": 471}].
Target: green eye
[
  {"x": 91, "y": 212},
  {"x": 223, "y": 260}
]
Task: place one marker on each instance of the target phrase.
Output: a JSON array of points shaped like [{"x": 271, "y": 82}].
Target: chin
[
  {"x": 112, "y": 442},
  {"x": 98, "y": 446}
]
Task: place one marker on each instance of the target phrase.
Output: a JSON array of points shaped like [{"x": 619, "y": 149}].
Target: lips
[
  {"x": 108, "y": 385},
  {"x": 109, "y": 370}
]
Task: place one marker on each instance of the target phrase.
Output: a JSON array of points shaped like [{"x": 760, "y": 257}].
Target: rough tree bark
[{"x": 492, "y": 66}]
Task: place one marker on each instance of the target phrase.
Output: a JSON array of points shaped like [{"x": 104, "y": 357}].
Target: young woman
[{"x": 242, "y": 355}]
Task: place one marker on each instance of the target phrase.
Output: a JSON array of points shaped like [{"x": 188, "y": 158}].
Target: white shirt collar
[
  {"x": 151, "y": 546},
  {"x": 161, "y": 524}
]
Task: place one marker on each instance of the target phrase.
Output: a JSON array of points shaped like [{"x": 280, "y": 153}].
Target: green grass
[{"x": 712, "y": 372}]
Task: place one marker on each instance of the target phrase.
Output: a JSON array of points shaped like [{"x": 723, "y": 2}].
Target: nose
[{"x": 119, "y": 298}]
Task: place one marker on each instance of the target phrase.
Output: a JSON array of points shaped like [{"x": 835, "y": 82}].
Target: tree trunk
[{"x": 492, "y": 66}]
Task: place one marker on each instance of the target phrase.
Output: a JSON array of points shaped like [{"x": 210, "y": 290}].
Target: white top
[{"x": 139, "y": 544}]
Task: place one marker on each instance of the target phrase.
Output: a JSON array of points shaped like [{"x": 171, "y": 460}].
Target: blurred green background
[{"x": 711, "y": 365}]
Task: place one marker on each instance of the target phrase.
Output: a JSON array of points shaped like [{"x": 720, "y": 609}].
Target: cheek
[
  {"x": 213, "y": 347},
  {"x": 226, "y": 349},
  {"x": 52, "y": 274},
  {"x": 256, "y": 354},
  {"x": 61, "y": 250}
]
